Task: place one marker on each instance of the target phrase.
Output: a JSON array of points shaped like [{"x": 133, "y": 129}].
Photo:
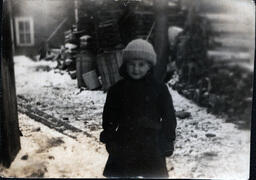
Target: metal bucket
[{"x": 91, "y": 80}]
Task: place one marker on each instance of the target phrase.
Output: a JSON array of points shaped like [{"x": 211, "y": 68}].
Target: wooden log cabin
[{"x": 38, "y": 22}]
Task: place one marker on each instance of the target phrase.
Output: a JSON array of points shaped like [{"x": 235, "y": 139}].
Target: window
[{"x": 24, "y": 27}]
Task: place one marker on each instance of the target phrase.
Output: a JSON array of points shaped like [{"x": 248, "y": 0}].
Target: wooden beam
[
  {"x": 227, "y": 18},
  {"x": 9, "y": 126},
  {"x": 234, "y": 42},
  {"x": 233, "y": 49},
  {"x": 235, "y": 35},
  {"x": 76, "y": 11},
  {"x": 221, "y": 56},
  {"x": 56, "y": 29},
  {"x": 161, "y": 38},
  {"x": 232, "y": 28}
]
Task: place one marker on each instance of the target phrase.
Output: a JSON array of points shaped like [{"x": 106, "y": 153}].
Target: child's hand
[
  {"x": 169, "y": 149},
  {"x": 112, "y": 147},
  {"x": 168, "y": 153}
]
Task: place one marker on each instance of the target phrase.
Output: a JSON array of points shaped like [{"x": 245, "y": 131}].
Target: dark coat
[{"x": 138, "y": 128}]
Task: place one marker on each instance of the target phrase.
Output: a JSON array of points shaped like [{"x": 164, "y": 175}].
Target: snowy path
[
  {"x": 50, "y": 154},
  {"x": 206, "y": 146}
]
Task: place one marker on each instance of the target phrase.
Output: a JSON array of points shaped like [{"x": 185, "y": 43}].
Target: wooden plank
[
  {"x": 233, "y": 49},
  {"x": 232, "y": 42},
  {"x": 102, "y": 66},
  {"x": 243, "y": 65},
  {"x": 55, "y": 51},
  {"x": 236, "y": 35},
  {"x": 108, "y": 64},
  {"x": 111, "y": 67},
  {"x": 68, "y": 32},
  {"x": 222, "y": 27},
  {"x": 57, "y": 29},
  {"x": 229, "y": 56},
  {"x": 9, "y": 126},
  {"x": 229, "y": 60},
  {"x": 79, "y": 77},
  {"x": 115, "y": 67},
  {"x": 172, "y": 4},
  {"x": 227, "y": 18},
  {"x": 243, "y": 55},
  {"x": 144, "y": 12}
]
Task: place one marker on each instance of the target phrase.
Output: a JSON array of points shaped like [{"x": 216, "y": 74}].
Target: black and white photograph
[{"x": 127, "y": 89}]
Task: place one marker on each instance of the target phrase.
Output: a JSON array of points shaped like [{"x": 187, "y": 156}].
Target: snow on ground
[
  {"x": 47, "y": 153},
  {"x": 206, "y": 146},
  {"x": 224, "y": 154},
  {"x": 57, "y": 94}
]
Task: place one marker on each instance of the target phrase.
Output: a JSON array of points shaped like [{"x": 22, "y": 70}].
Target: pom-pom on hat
[{"x": 139, "y": 49}]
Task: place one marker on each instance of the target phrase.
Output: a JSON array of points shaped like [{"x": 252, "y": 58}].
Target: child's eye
[
  {"x": 141, "y": 64},
  {"x": 130, "y": 65}
]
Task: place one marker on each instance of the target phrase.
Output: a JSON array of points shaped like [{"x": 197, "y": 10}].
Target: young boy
[{"x": 138, "y": 119}]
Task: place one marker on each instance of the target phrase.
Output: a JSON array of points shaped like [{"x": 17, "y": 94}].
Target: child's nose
[{"x": 136, "y": 68}]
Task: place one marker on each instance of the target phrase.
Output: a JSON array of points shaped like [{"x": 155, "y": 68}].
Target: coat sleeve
[
  {"x": 169, "y": 122},
  {"x": 110, "y": 117}
]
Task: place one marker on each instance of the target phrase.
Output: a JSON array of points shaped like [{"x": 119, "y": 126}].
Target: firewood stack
[
  {"x": 136, "y": 20},
  {"x": 112, "y": 24},
  {"x": 87, "y": 24},
  {"x": 71, "y": 36},
  {"x": 176, "y": 15},
  {"x": 66, "y": 58},
  {"x": 108, "y": 34},
  {"x": 87, "y": 18},
  {"x": 144, "y": 19}
]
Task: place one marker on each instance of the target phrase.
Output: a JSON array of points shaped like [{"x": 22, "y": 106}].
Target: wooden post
[
  {"x": 56, "y": 30},
  {"x": 45, "y": 29},
  {"x": 161, "y": 44},
  {"x": 9, "y": 127},
  {"x": 76, "y": 11}
]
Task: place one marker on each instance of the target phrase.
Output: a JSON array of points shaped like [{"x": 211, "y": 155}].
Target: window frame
[{"x": 31, "y": 30}]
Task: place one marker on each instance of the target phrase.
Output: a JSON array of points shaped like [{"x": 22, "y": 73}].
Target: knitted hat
[{"x": 139, "y": 49}]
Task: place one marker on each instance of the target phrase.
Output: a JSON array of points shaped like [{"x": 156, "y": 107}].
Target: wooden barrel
[
  {"x": 108, "y": 66},
  {"x": 85, "y": 62}
]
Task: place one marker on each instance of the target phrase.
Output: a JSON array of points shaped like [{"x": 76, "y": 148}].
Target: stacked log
[
  {"x": 87, "y": 24},
  {"x": 136, "y": 21},
  {"x": 108, "y": 35},
  {"x": 71, "y": 36}
]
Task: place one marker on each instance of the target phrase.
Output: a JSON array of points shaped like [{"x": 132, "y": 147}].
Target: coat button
[{"x": 147, "y": 99}]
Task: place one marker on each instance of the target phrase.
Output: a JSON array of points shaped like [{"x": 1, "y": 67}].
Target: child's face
[{"x": 137, "y": 69}]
